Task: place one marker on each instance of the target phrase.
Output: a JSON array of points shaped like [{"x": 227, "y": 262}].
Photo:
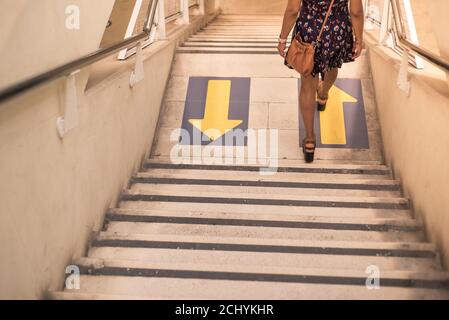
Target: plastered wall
[
  {"x": 54, "y": 192},
  {"x": 415, "y": 135}
]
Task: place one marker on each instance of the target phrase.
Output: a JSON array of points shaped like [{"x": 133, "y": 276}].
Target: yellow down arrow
[
  {"x": 332, "y": 121},
  {"x": 216, "y": 123}
]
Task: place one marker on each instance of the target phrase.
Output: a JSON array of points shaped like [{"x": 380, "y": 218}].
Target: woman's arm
[
  {"x": 358, "y": 20},
  {"x": 290, "y": 16}
]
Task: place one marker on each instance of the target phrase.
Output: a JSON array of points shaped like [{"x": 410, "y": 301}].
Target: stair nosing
[
  {"x": 136, "y": 196},
  {"x": 116, "y": 217},
  {"x": 160, "y": 165},
  {"x": 106, "y": 239},
  {"x": 395, "y": 186},
  {"x": 126, "y": 268}
]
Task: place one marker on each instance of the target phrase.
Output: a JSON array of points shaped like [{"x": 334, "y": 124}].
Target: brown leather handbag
[{"x": 301, "y": 55}]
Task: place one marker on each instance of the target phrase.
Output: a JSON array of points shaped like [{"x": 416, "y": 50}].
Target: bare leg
[
  {"x": 328, "y": 82},
  {"x": 307, "y": 101}
]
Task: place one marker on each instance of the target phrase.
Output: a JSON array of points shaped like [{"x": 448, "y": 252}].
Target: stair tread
[
  {"x": 379, "y": 245},
  {"x": 249, "y": 41},
  {"x": 227, "y": 44},
  {"x": 182, "y": 255},
  {"x": 195, "y": 289},
  {"x": 205, "y": 194},
  {"x": 232, "y": 37},
  {"x": 226, "y": 50},
  {"x": 161, "y": 159},
  {"x": 290, "y": 177},
  {"x": 274, "y": 232},
  {"x": 284, "y": 164},
  {"x": 266, "y": 182},
  {"x": 365, "y": 213},
  {"x": 267, "y": 217},
  {"x": 234, "y": 187},
  {"x": 297, "y": 177},
  {"x": 99, "y": 264}
]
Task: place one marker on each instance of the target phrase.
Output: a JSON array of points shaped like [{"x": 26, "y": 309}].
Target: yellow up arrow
[
  {"x": 216, "y": 123},
  {"x": 332, "y": 120}
]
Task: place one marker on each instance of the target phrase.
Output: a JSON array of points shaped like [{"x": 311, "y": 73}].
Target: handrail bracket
[
  {"x": 70, "y": 119},
  {"x": 139, "y": 73}
]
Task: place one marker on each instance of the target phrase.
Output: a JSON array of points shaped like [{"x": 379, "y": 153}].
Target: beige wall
[
  {"x": 269, "y": 7},
  {"x": 424, "y": 25},
  {"x": 415, "y": 134},
  {"x": 438, "y": 10},
  {"x": 54, "y": 192},
  {"x": 34, "y": 37}
]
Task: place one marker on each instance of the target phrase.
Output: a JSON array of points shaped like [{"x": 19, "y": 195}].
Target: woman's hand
[
  {"x": 281, "y": 48},
  {"x": 357, "y": 50}
]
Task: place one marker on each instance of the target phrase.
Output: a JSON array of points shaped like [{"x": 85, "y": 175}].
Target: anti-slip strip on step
[
  {"x": 269, "y": 184},
  {"x": 149, "y": 165},
  {"x": 143, "y": 244},
  {"x": 269, "y": 202},
  {"x": 261, "y": 277},
  {"x": 261, "y": 223}
]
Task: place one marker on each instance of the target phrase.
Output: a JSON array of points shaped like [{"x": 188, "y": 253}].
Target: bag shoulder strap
[{"x": 325, "y": 21}]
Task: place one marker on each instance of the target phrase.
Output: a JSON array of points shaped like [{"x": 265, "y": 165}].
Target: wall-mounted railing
[
  {"x": 398, "y": 31},
  {"x": 69, "y": 68},
  {"x": 153, "y": 28}
]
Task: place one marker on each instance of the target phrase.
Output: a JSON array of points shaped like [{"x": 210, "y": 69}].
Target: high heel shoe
[
  {"x": 309, "y": 153},
  {"x": 320, "y": 101}
]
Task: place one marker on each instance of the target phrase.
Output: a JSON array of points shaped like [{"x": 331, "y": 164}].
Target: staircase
[
  {"x": 196, "y": 231},
  {"x": 236, "y": 34}
]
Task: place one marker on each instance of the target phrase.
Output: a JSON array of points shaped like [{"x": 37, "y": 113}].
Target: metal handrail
[
  {"x": 70, "y": 67},
  {"x": 416, "y": 49}
]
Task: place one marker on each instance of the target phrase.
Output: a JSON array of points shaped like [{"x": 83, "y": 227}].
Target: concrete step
[
  {"x": 269, "y": 245},
  {"x": 179, "y": 227},
  {"x": 266, "y": 185},
  {"x": 232, "y": 187},
  {"x": 193, "y": 160},
  {"x": 403, "y": 278},
  {"x": 279, "y": 180},
  {"x": 268, "y": 28},
  {"x": 211, "y": 50},
  {"x": 294, "y": 246},
  {"x": 268, "y": 220},
  {"x": 228, "y": 44},
  {"x": 283, "y": 166},
  {"x": 223, "y": 24},
  {"x": 291, "y": 177},
  {"x": 249, "y": 41},
  {"x": 239, "y": 32},
  {"x": 236, "y": 258},
  {"x": 247, "y": 34},
  {"x": 321, "y": 200},
  {"x": 198, "y": 289},
  {"x": 162, "y": 281},
  {"x": 301, "y": 211},
  {"x": 248, "y": 17},
  {"x": 275, "y": 252},
  {"x": 240, "y": 37}
]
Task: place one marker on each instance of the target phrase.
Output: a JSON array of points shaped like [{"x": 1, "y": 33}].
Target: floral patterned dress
[{"x": 337, "y": 41}]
